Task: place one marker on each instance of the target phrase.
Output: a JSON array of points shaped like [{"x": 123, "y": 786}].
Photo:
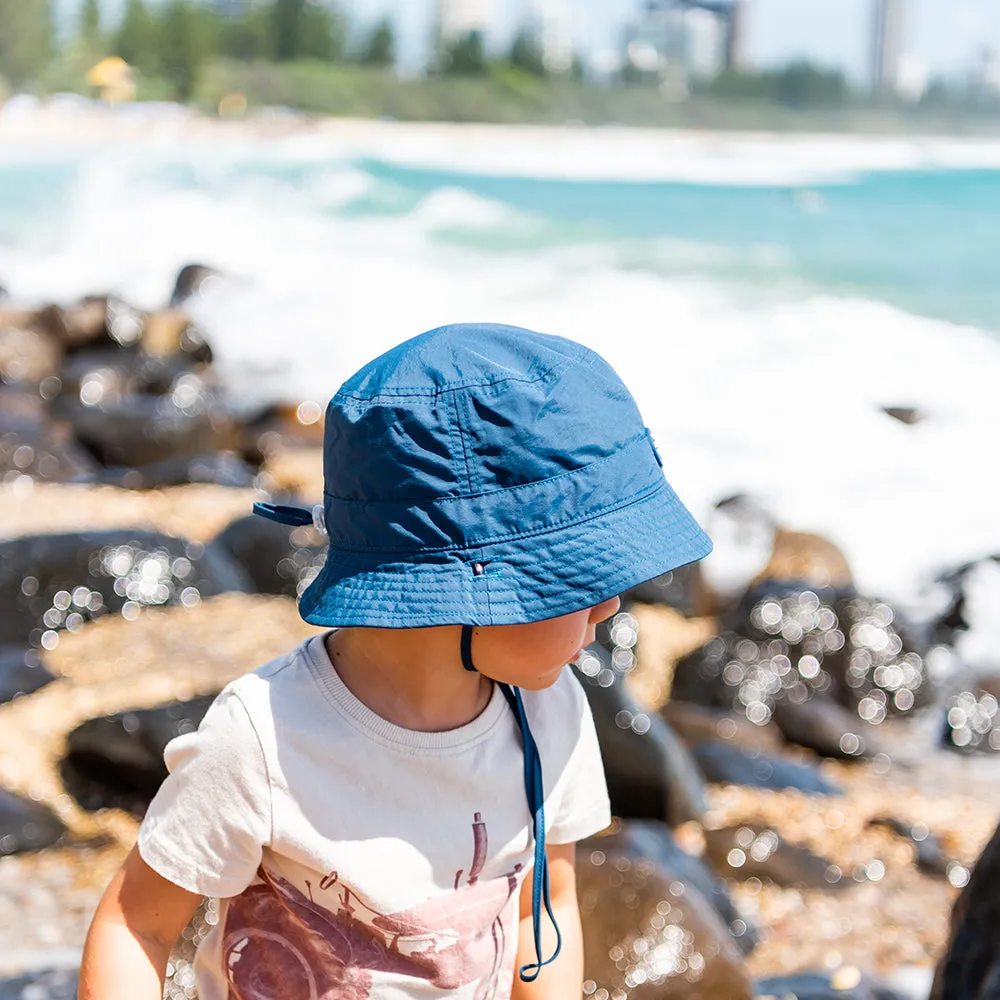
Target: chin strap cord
[{"x": 536, "y": 804}]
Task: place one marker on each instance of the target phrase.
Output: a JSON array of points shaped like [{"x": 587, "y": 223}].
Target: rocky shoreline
[{"x": 782, "y": 760}]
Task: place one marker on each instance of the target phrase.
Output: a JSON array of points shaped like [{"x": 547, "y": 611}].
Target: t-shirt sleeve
[
  {"x": 206, "y": 828},
  {"x": 579, "y": 805}
]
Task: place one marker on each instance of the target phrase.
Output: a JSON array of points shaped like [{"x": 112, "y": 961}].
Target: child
[{"x": 372, "y": 808}]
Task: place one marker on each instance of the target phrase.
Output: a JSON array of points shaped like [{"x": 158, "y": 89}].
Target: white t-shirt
[{"x": 356, "y": 859}]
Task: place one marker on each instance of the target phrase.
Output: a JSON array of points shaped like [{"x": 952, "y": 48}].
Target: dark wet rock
[
  {"x": 26, "y": 825},
  {"x": 94, "y": 320},
  {"x": 970, "y": 968},
  {"x": 27, "y": 354},
  {"x": 742, "y": 852},
  {"x": 904, "y": 414},
  {"x": 41, "y": 450},
  {"x": 21, "y": 672},
  {"x": 116, "y": 761},
  {"x": 221, "y": 468},
  {"x": 106, "y": 375},
  {"x": 140, "y": 430},
  {"x": 649, "y": 935},
  {"x": 726, "y": 764},
  {"x": 957, "y": 614},
  {"x": 42, "y": 984},
  {"x": 53, "y": 582},
  {"x": 652, "y": 840},
  {"x": 847, "y": 983},
  {"x": 931, "y": 857},
  {"x": 650, "y": 773},
  {"x": 752, "y": 547},
  {"x": 787, "y": 644},
  {"x": 972, "y": 719},
  {"x": 680, "y": 589},
  {"x": 189, "y": 281},
  {"x": 695, "y": 724},
  {"x": 820, "y": 724},
  {"x": 278, "y": 559},
  {"x": 282, "y": 425}
]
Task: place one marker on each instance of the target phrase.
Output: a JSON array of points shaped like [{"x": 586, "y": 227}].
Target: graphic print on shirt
[{"x": 282, "y": 943}]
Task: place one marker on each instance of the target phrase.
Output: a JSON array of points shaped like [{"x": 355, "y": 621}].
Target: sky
[{"x": 944, "y": 36}]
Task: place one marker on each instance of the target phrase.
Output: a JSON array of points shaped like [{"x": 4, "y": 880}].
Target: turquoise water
[{"x": 927, "y": 242}]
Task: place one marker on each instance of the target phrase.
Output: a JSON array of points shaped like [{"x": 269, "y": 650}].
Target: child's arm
[
  {"x": 563, "y": 979},
  {"x": 138, "y": 920}
]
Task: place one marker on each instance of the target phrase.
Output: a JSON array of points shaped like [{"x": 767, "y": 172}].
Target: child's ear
[{"x": 605, "y": 610}]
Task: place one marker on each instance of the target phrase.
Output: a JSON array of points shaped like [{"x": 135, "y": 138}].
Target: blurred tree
[
  {"x": 380, "y": 49},
  {"x": 305, "y": 29},
  {"x": 288, "y": 17},
  {"x": 184, "y": 39},
  {"x": 90, "y": 21},
  {"x": 526, "y": 53},
  {"x": 803, "y": 85},
  {"x": 321, "y": 33},
  {"x": 246, "y": 34},
  {"x": 135, "y": 40},
  {"x": 25, "y": 39},
  {"x": 465, "y": 55}
]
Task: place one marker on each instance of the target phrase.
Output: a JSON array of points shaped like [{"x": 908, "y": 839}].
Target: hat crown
[{"x": 469, "y": 409}]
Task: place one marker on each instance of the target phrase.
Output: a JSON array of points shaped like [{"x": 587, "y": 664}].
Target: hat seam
[
  {"x": 484, "y": 494},
  {"x": 422, "y": 392},
  {"x": 647, "y": 492}
]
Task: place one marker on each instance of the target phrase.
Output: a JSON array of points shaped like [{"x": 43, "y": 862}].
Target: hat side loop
[{"x": 296, "y": 516}]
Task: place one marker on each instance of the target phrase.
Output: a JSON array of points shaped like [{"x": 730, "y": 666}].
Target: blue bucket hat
[{"x": 482, "y": 474}]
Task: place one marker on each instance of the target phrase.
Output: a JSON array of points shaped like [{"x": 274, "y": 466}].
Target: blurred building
[
  {"x": 459, "y": 17},
  {"x": 984, "y": 78},
  {"x": 555, "y": 27},
  {"x": 682, "y": 39},
  {"x": 888, "y": 28}
]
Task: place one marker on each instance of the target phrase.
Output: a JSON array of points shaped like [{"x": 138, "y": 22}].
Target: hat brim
[{"x": 523, "y": 580}]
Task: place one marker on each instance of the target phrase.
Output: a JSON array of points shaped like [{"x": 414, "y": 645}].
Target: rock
[
  {"x": 41, "y": 450},
  {"x": 742, "y": 852},
  {"x": 847, "y": 983},
  {"x": 829, "y": 729},
  {"x": 54, "y": 582},
  {"x": 972, "y": 719},
  {"x": 282, "y": 425},
  {"x": 278, "y": 559},
  {"x": 681, "y": 589},
  {"x": 21, "y": 672},
  {"x": 930, "y": 856},
  {"x": 43, "y": 984},
  {"x": 970, "y": 967},
  {"x": 652, "y": 840},
  {"x": 750, "y": 547},
  {"x": 109, "y": 374},
  {"x": 904, "y": 414},
  {"x": 140, "y": 430},
  {"x": 695, "y": 724},
  {"x": 650, "y": 773},
  {"x": 188, "y": 283},
  {"x": 967, "y": 619},
  {"x": 27, "y": 354},
  {"x": 221, "y": 468},
  {"x": 788, "y": 644},
  {"x": 648, "y": 935},
  {"x": 116, "y": 761},
  {"x": 723, "y": 763},
  {"x": 92, "y": 321},
  {"x": 26, "y": 825},
  {"x": 169, "y": 333}
]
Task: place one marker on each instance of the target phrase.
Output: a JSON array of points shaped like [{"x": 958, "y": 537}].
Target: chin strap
[{"x": 536, "y": 804}]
